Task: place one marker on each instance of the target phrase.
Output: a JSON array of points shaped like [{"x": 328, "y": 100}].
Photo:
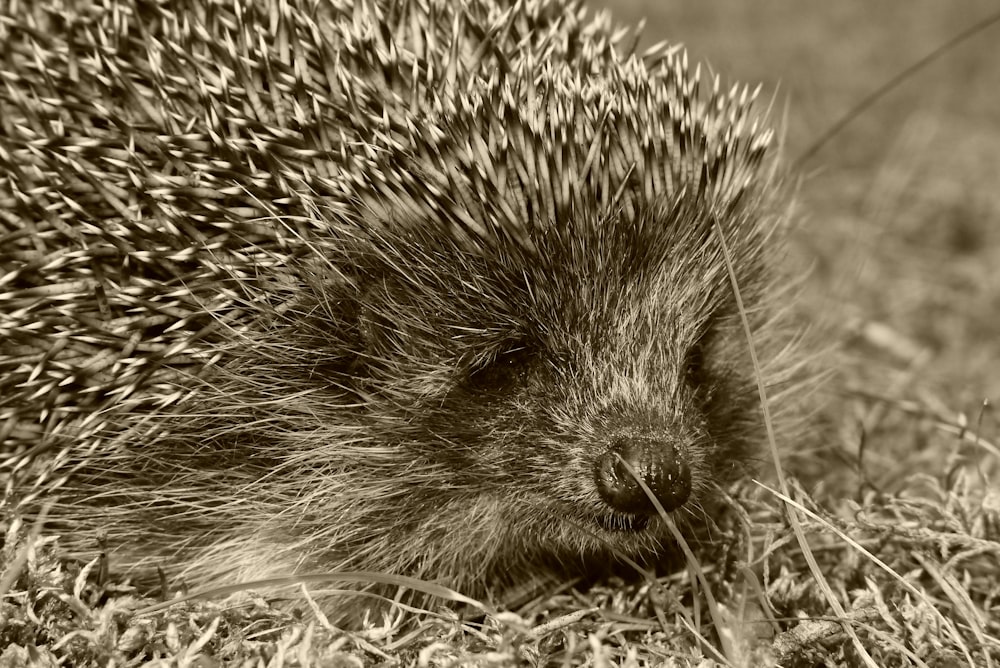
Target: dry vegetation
[{"x": 892, "y": 556}]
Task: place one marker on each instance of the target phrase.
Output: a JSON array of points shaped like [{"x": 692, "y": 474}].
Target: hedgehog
[{"x": 416, "y": 287}]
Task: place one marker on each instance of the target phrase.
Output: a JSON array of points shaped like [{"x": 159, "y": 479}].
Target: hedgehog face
[{"x": 534, "y": 380}]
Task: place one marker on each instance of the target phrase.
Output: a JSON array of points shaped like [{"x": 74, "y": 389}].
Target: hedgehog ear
[
  {"x": 347, "y": 316},
  {"x": 381, "y": 334},
  {"x": 327, "y": 316}
]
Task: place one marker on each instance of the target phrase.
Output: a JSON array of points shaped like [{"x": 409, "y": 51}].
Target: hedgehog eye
[
  {"x": 694, "y": 364},
  {"x": 695, "y": 372},
  {"x": 502, "y": 373}
]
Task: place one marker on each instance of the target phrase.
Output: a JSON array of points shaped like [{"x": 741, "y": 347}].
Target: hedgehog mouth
[{"x": 623, "y": 522}]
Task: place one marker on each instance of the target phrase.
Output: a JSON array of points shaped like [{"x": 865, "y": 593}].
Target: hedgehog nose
[{"x": 658, "y": 463}]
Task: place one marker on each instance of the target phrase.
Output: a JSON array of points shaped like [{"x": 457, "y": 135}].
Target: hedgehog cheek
[{"x": 660, "y": 464}]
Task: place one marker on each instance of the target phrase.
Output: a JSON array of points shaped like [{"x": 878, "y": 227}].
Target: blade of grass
[{"x": 772, "y": 442}]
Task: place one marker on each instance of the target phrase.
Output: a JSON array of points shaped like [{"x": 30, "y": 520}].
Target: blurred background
[{"x": 899, "y": 215}]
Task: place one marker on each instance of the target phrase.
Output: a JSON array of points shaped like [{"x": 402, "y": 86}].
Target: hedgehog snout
[{"x": 657, "y": 462}]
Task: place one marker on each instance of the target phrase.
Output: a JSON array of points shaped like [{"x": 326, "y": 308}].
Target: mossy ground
[{"x": 900, "y": 230}]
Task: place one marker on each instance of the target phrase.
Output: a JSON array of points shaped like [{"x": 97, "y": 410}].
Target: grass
[{"x": 899, "y": 511}]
